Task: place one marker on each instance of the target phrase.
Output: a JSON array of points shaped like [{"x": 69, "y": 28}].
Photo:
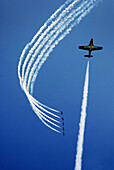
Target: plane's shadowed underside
[{"x": 90, "y": 48}]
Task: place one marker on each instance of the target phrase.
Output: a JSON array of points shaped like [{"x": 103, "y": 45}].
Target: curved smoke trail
[
  {"x": 82, "y": 122},
  {"x": 39, "y": 48}
]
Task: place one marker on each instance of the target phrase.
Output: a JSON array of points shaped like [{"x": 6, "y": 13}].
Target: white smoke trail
[
  {"x": 51, "y": 47},
  {"x": 49, "y": 27},
  {"x": 46, "y": 35},
  {"x": 82, "y": 122},
  {"x": 37, "y": 102},
  {"x": 25, "y": 87},
  {"x": 84, "y": 10},
  {"x": 53, "y": 16},
  {"x": 37, "y": 51},
  {"x": 40, "y": 114}
]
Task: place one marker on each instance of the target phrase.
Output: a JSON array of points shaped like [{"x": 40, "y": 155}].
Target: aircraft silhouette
[
  {"x": 61, "y": 113},
  {"x": 63, "y": 123},
  {"x": 90, "y": 48},
  {"x": 63, "y": 133}
]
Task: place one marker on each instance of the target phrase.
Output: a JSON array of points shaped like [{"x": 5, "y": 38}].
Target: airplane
[
  {"x": 62, "y": 118},
  {"x": 90, "y": 48},
  {"x": 63, "y": 123},
  {"x": 63, "y": 133},
  {"x": 61, "y": 113}
]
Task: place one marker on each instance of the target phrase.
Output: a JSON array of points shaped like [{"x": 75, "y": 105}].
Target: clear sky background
[{"x": 25, "y": 143}]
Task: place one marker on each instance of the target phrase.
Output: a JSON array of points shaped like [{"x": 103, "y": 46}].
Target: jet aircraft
[
  {"x": 63, "y": 123},
  {"x": 61, "y": 113},
  {"x": 90, "y": 48},
  {"x": 63, "y": 133}
]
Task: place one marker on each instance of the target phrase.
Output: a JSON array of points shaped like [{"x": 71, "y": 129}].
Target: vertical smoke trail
[{"x": 78, "y": 162}]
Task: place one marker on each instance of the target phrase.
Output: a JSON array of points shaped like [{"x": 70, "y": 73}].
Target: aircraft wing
[
  {"x": 84, "y": 47},
  {"x": 96, "y": 48}
]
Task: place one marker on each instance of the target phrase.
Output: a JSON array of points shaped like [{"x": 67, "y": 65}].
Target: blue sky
[{"x": 25, "y": 142}]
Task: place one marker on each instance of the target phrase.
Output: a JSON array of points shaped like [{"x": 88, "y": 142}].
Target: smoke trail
[
  {"x": 46, "y": 24},
  {"x": 82, "y": 122},
  {"x": 84, "y": 11},
  {"x": 85, "y": 7},
  {"x": 46, "y": 35},
  {"x": 39, "y": 48},
  {"x": 40, "y": 114},
  {"x": 49, "y": 24}
]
